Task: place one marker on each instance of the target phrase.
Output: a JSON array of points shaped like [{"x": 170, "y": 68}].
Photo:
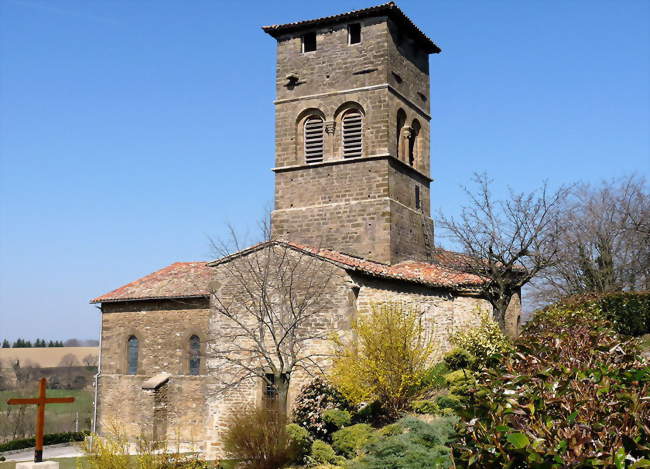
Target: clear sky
[{"x": 132, "y": 131}]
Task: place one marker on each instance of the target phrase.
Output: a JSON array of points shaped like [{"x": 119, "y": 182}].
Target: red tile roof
[
  {"x": 389, "y": 9},
  {"x": 191, "y": 279},
  {"x": 431, "y": 274},
  {"x": 179, "y": 280}
]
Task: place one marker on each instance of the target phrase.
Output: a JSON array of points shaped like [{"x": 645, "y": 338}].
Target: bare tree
[
  {"x": 90, "y": 360},
  {"x": 605, "y": 241},
  {"x": 270, "y": 302},
  {"x": 507, "y": 241}
]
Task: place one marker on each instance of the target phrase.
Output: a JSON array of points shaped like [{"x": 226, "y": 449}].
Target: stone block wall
[
  {"x": 176, "y": 412},
  {"x": 334, "y": 65},
  {"x": 163, "y": 329},
  {"x": 445, "y": 313}
]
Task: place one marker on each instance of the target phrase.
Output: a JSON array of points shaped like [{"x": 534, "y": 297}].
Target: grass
[
  {"x": 58, "y": 417},
  {"x": 64, "y": 463},
  {"x": 83, "y": 400}
]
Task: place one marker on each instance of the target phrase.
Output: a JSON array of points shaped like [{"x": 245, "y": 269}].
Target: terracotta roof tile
[
  {"x": 191, "y": 279},
  {"x": 179, "y": 280},
  {"x": 389, "y": 9},
  {"x": 431, "y": 274}
]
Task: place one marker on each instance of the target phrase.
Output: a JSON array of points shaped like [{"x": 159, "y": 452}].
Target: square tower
[{"x": 352, "y": 169}]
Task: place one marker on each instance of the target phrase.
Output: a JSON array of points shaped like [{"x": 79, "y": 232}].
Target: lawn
[
  {"x": 58, "y": 417},
  {"x": 64, "y": 463}
]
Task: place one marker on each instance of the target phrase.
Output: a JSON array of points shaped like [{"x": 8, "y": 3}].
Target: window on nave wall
[
  {"x": 195, "y": 356},
  {"x": 132, "y": 355}
]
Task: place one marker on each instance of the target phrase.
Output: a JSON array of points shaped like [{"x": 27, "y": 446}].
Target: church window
[
  {"x": 195, "y": 355},
  {"x": 417, "y": 197},
  {"x": 401, "y": 121},
  {"x": 314, "y": 139},
  {"x": 309, "y": 42},
  {"x": 270, "y": 386},
  {"x": 354, "y": 33},
  {"x": 414, "y": 142},
  {"x": 132, "y": 355},
  {"x": 352, "y": 134}
]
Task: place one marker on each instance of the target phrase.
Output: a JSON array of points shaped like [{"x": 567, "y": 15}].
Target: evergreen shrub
[
  {"x": 412, "y": 444},
  {"x": 313, "y": 400},
  {"x": 349, "y": 440}
]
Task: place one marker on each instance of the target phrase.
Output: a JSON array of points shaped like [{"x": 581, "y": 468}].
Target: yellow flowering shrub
[
  {"x": 389, "y": 359},
  {"x": 485, "y": 342}
]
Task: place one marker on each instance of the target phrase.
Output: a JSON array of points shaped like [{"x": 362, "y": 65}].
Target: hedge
[
  {"x": 49, "y": 439},
  {"x": 629, "y": 312}
]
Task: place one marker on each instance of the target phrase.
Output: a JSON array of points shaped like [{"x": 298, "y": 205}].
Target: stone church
[{"x": 352, "y": 180}]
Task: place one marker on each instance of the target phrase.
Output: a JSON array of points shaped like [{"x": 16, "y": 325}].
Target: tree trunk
[{"x": 282, "y": 388}]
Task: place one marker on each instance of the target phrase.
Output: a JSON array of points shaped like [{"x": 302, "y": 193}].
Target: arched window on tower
[
  {"x": 352, "y": 133},
  {"x": 132, "y": 355},
  {"x": 313, "y": 139},
  {"x": 195, "y": 355},
  {"x": 401, "y": 122},
  {"x": 414, "y": 142}
]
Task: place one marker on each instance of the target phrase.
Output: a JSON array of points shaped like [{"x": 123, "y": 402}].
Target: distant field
[
  {"x": 83, "y": 400},
  {"x": 45, "y": 357}
]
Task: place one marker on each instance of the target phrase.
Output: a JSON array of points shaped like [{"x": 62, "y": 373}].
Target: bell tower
[{"x": 352, "y": 168}]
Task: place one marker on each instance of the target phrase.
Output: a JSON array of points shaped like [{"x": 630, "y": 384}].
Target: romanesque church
[{"x": 352, "y": 180}]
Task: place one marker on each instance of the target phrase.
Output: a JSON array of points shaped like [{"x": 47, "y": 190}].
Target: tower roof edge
[{"x": 389, "y": 9}]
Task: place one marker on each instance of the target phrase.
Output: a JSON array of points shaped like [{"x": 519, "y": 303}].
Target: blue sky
[{"x": 131, "y": 132}]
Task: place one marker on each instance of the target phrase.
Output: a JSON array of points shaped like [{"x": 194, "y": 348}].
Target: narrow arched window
[
  {"x": 401, "y": 122},
  {"x": 314, "y": 139},
  {"x": 195, "y": 355},
  {"x": 414, "y": 146},
  {"x": 132, "y": 355},
  {"x": 352, "y": 134}
]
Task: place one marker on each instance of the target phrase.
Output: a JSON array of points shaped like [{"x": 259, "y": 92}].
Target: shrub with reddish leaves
[{"x": 572, "y": 393}]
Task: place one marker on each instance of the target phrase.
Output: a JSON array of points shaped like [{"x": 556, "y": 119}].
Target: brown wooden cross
[{"x": 40, "y": 401}]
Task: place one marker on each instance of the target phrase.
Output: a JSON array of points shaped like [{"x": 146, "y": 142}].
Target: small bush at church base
[{"x": 258, "y": 438}]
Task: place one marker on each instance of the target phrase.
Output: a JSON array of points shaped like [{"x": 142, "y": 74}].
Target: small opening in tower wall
[
  {"x": 354, "y": 33},
  {"x": 309, "y": 42},
  {"x": 417, "y": 197}
]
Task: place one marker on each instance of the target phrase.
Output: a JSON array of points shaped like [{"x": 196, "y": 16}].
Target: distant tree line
[{"x": 23, "y": 343}]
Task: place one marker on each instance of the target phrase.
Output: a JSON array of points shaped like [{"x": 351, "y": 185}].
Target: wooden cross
[{"x": 40, "y": 401}]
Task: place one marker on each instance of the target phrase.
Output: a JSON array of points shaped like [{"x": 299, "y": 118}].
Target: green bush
[
  {"x": 337, "y": 419},
  {"x": 449, "y": 401},
  {"x": 313, "y": 400},
  {"x": 572, "y": 395},
  {"x": 459, "y": 358},
  {"x": 322, "y": 453},
  {"x": 486, "y": 342},
  {"x": 460, "y": 381},
  {"x": 300, "y": 439},
  {"x": 412, "y": 444},
  {"x": 434, "y": 377},
  {"x": 48, "y": 439},
  {"x": 349, "y": 440},
  {"x": 629, "y": 312},
  {"x": 426, "y": 407}
]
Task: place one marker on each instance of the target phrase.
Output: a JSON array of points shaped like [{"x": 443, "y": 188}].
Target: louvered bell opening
[
  {"x": 314, "y": 140},
  {"x": 352, "y": 134}
]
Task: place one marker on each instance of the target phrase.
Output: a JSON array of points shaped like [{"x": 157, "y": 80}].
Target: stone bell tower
[{"x": 352, "y": 169}]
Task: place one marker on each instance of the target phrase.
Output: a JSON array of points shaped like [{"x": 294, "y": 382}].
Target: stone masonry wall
[
  {"x": 333, "y": 293},
  {"x": 176, "y": 411},
  {"x": 163, "y": 329},
  {"x": 445, "y": 312},
  {"x": 335, "y": 65}
]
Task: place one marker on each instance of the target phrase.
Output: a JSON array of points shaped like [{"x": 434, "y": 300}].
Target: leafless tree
[
  {"x": 90, "y": 360},
  {"x": 605, "y": 241},
  {"x": 270, "y": 304},
  {"x": 72, "y": 343},
  {"x": 507, "y": 241}
]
